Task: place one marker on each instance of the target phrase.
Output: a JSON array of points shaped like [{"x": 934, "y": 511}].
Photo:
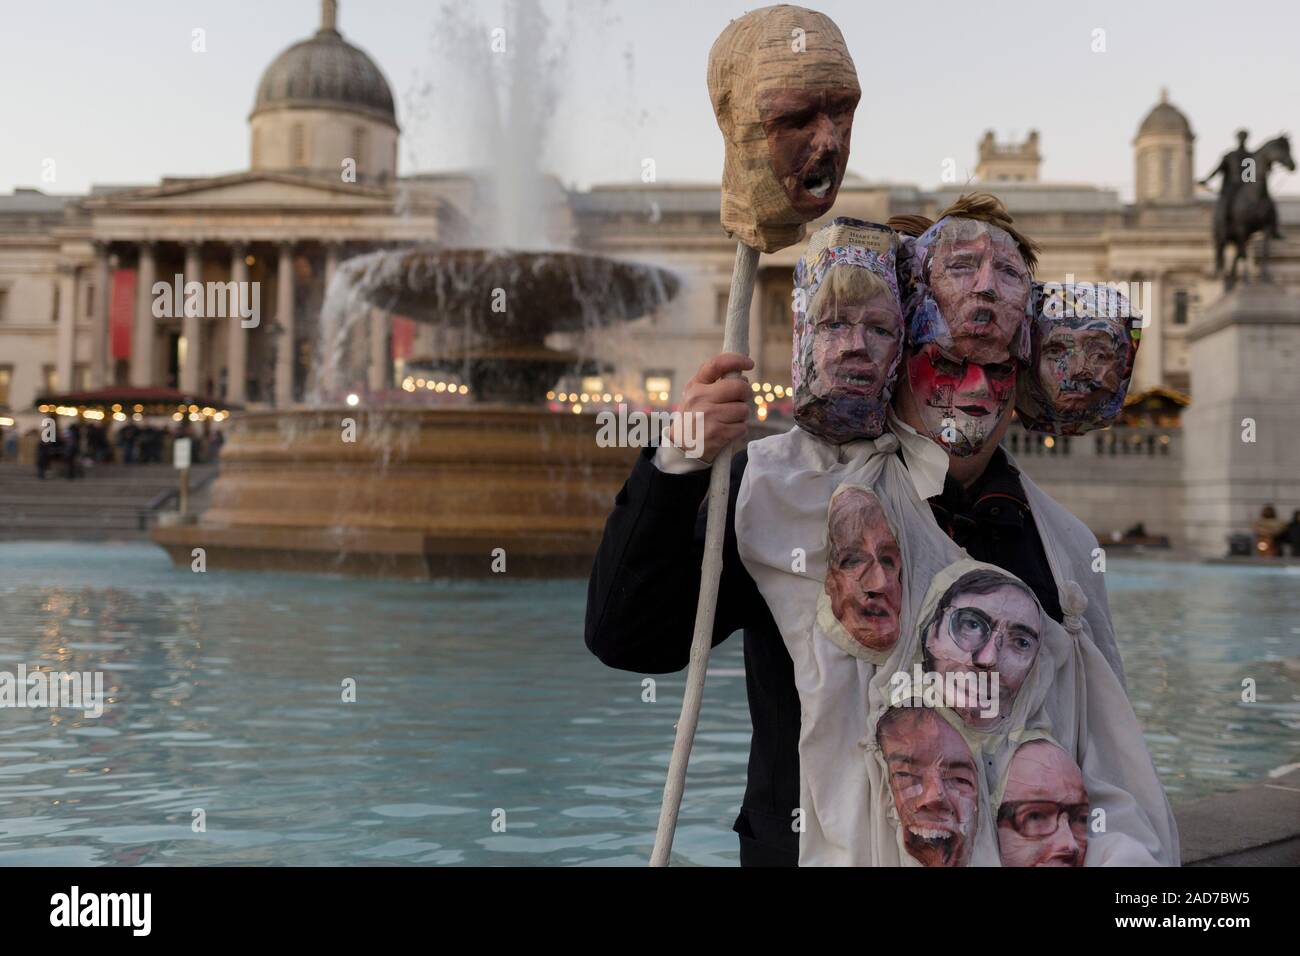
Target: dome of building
[
  {"x": 326, "y": 72},
  {"x": 1165, "y": 118},
  {"x": 1162, "y": 156},
  {"x": 324, "y": 109}
]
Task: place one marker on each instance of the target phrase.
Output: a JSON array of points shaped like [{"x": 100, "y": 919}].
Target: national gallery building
[{"x": 76, "y": 272}]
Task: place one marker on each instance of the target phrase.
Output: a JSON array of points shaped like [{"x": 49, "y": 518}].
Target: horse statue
[{"x": 1245, "y": 207}]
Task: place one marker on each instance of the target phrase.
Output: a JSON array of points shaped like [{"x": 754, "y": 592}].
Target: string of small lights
[{"x": 138, "y": 412}]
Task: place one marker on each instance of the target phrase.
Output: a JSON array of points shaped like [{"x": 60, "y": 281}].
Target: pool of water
[{"x": 477, "y": 702}]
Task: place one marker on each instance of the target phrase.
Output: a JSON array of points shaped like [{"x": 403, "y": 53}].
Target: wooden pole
[
  {"x": 735, "y": 339},
  {"x": 185, "y": 491}
]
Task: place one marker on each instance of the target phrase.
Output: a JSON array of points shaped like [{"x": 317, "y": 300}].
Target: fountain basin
[{"x": 421, "y": 493}]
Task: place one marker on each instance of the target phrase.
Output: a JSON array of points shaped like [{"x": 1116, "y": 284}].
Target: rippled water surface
[{"x": 473, "y": 699}]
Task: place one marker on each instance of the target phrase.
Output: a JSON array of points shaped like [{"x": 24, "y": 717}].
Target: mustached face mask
[
  {"x": 848, "y": 331},
  {"x": 968, "y": 292},
  {"x": 934, "y": 782},
  {"x": 1044, "y": 813},
  {"x": 784, "y": 90},
  {"x": 961, "y": 404},
  {"x": 1083, "y": 346}
]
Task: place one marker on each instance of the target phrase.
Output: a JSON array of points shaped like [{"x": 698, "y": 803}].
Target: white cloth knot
[{"x": 1073, "y": 605}]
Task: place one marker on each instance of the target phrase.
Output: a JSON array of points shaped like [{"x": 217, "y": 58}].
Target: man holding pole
[
  {"x": 645, "y": 582},
  {"x": 668, "y": 580}
]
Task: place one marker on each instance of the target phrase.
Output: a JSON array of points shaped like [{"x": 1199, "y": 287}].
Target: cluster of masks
[
  {"x": 953, "y": 320},
  {"x": 947, "y": 720}
]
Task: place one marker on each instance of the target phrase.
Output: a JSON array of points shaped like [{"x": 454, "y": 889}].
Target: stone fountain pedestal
[
  {"x": 500, "y": 485},
  {"x": 420, "y": 493}
]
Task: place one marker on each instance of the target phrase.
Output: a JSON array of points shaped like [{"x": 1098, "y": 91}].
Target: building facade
[{"x": 77, "y": 273}]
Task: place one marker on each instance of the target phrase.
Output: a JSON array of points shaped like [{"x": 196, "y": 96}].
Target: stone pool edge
[{"x": 1258, "y": 825}]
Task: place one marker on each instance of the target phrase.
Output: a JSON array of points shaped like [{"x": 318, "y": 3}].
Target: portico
[{"x": 277, "y": 237}]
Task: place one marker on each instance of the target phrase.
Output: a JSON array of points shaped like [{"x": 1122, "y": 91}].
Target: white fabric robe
[{"x": 1073, "y": 692}]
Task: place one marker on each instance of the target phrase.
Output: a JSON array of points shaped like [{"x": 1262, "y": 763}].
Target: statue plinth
[{"x": 1242, "y": 430}]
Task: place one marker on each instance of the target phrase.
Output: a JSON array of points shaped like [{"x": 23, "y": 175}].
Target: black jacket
[{"x": 645, "y": 585}]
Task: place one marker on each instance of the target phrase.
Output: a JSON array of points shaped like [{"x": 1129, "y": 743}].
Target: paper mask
[
  {"x": 934, "y": 782},
  {"x": 848, "y": 331},
  {"x": 1083, "y": 352},
  {"x": 968, "y": 292},
  {"x": 961, "y": 404},
  {"x": 985, "y": 626},
  {"x": 863, "y": 593},
  {"x": 1044, "y": 813},
  {"x": 784, "y": 90}
]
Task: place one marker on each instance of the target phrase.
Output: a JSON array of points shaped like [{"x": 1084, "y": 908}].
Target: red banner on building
[
  {"x": 121, "y": 313},
  {"x": 403, "y": 337}
]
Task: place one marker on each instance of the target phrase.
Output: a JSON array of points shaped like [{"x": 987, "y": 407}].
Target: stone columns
[
  {"x": 286, "y": 355},
  {"x": 380, "y": 361},
  {"x": 237, "y": 335},
  {"x": 1149, "y": 367},
  {"x": 101, "y": 355},
  {"x": 65, "y": 353},
  {"x": 142, "y": 340},
  {"x": 192, "y": 325},
  {"x": 331, "y": 263}
]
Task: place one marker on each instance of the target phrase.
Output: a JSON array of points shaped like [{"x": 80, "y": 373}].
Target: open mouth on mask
[
  {"x": 819, "y": 180},
  {"x": 982, "y": 317},
  {"x": 817, "y": 186},
  {"x": 863, "y": 380},
  {"x": 937, "y": 838},
  {"x": 975, "y": 411},
  {"x": 1079, "y": 387}
]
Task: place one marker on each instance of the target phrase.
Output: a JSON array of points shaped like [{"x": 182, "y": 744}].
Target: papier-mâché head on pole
[{"x": 784, "y": 90}]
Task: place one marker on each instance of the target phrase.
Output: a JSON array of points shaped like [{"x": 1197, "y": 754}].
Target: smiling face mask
[
  {"x": 934, "y": 782},
  {"x": 1044, "y": 813},
  {"x": 969, "y": 292},
  {"x": 1083, "y": 351},
  {"x": 784, "y": 90},
  {"x": 848, "y": 331},
  {"x": 961, "y": 404}
]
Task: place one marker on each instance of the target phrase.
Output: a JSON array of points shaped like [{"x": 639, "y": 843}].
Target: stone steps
[{"x": 108, "y": 502}]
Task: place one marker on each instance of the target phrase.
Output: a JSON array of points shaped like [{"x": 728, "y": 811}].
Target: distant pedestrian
[
  {"x": 1266, "y": 529},
  {"x": 1288, "y": 539}
]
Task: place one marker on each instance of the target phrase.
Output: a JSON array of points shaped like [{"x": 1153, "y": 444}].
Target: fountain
[{"x": 497, "y": 482}]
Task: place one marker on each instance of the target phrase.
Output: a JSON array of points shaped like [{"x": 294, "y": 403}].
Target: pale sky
[{"x": 113, "y": 93}]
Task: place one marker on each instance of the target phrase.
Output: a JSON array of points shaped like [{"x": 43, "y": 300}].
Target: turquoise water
[{"x": 474, "y": 698}]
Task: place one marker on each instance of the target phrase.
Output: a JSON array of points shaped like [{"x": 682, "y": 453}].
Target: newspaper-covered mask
[
  {"x": 848, "y": 331},
  {"x": 1083, "y": 347},
  {"x": 784, "y": 90},
  {"x": 969, "y": 292}
]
